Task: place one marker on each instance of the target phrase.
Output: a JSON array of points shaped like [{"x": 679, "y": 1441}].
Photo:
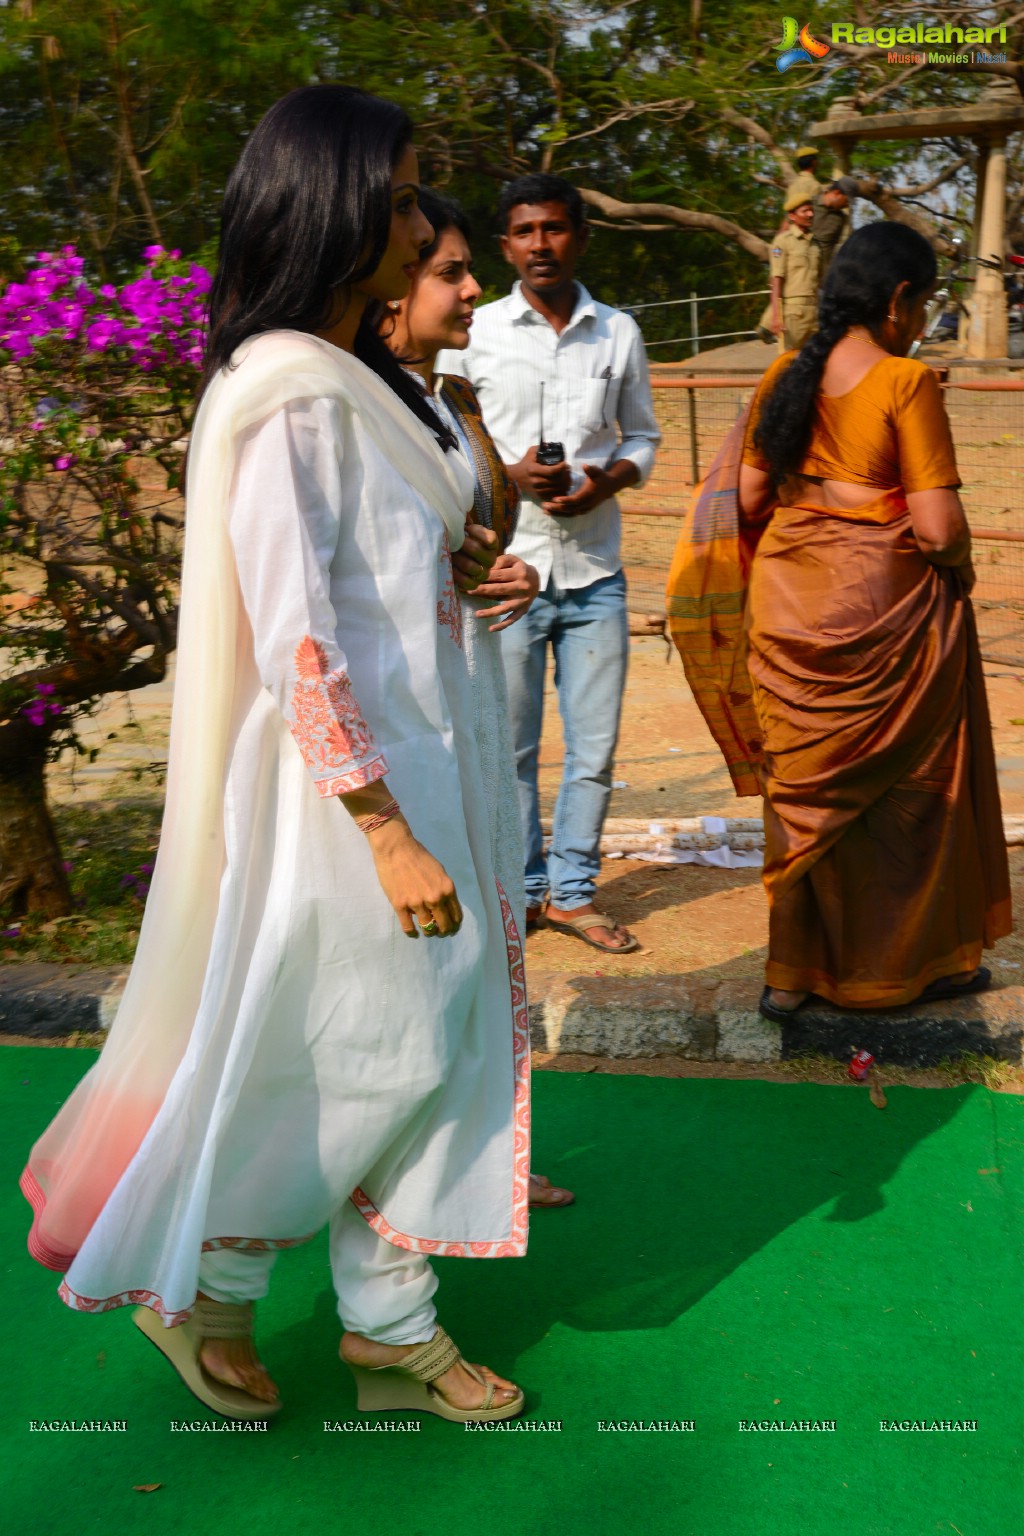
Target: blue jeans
[{"x": 589, "y": 634}]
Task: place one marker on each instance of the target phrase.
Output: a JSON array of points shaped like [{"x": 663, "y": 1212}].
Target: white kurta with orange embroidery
[{"x": 332, "y": 1056}]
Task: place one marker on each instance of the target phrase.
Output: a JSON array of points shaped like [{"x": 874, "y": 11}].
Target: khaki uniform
[
  {"x": 804, "y": 185},
  {"x": 797, "y": 260}
]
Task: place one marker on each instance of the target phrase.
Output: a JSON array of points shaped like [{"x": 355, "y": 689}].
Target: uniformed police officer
[
  {"x": 805, "y": 183},
  {"x": 793, "y": 267},
  {"x": 805, "y": 186}
]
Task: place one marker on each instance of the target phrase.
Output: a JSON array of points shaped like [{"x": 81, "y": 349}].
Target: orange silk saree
[{"x": 885, "y": 861}]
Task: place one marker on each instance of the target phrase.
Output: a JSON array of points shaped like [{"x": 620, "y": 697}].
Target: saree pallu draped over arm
[
  {"x": 885, "y": 860},
  {"x": 706, "y": 598}
]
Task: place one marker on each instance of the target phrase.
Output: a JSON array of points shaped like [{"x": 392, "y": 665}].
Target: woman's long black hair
[
  {"x": 307, "y": 210},
  {"x": 857, "y": 291}
]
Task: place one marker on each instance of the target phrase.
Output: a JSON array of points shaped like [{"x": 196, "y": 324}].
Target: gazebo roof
[{"x": 992, "y": 112}]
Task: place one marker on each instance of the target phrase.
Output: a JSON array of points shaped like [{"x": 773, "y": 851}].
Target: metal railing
[{"x": 692, "y": 302}]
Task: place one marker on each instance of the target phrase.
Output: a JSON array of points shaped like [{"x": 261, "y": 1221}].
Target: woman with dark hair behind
[
  {"x": 282, "y": 1059},
  {"x": 851, "y": 694},
  {"x": 885, "y": 862},
  {"x": 437, "y": 313}
]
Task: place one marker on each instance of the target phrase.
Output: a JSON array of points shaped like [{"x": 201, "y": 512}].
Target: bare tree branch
[
  {"x": 760, "y": 135},
  {"x": 936, "y": 181},
  {"x": 883, "y": 197},
  {"x": 682, "y": 218},
  {"x": 672, "y": 107},
  {"x": 628, "y": 224},
  {"x": 125, "y": 136}
]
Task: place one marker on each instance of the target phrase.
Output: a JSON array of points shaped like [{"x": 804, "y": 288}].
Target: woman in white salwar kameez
[
  {"x": 437, "y": 313},
  {"x": 284, "y": 1058}
]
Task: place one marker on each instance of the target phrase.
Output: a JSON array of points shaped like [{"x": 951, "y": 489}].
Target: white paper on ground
[{"x": 719, "y": 858}]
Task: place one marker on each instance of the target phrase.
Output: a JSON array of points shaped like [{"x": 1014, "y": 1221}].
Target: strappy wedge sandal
[
  {"x": 408, "y": 1386},
  {"x": 181, "y": 1346}
]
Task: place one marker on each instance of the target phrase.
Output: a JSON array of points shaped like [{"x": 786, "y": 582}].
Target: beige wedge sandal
[
  {"x": 407, "y": 1386},
  {"x": 181, "y": 1346}
]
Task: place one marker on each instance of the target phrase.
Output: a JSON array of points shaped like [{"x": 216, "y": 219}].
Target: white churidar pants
[{"x": 385, "y": 1293}]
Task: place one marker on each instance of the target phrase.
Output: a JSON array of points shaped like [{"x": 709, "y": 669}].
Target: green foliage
[{"x": 122, "y": 118}]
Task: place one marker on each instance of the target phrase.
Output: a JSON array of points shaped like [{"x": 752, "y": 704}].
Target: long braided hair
[{"x": 857, "y": 291}]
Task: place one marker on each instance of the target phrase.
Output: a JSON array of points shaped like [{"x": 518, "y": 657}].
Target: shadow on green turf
[{"x": 678, "y": 1184}]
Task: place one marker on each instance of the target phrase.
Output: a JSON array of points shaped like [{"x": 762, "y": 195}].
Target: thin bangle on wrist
[{"x": 374, "y": 819}]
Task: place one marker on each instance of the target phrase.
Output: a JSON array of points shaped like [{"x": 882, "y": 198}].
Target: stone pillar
[
  {"x": 979, "y": 192},
  {"x": 987, "y": 333},
  {"x": 964, "y": 330},
  {"x": 842, "y": 150}
]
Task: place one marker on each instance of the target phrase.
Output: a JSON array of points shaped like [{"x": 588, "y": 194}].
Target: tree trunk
[{"x": 32, "y": 874}]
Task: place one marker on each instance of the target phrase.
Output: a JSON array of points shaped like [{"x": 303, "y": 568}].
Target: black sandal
[
  {"x": 935, "y": 991},
  {"x": 770, "y": 1010}
]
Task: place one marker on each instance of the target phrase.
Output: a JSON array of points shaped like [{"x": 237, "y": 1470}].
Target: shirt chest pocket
[{"x": 594, "y": 401}]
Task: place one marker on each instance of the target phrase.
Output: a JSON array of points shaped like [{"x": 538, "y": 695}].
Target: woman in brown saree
[{"x": 885, "y": 863}]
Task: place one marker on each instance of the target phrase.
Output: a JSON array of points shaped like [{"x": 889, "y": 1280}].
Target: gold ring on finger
[{"x": 429, "y": 928}]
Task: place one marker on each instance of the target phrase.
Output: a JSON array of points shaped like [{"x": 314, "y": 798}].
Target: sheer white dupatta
[{"x": 79, "y": 1159}]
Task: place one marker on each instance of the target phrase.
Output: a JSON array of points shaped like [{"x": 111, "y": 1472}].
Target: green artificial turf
[{"x": 738, "y": 1250}]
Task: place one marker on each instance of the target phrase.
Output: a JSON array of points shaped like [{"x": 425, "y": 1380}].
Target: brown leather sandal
[{"x": 577, "y": 927}]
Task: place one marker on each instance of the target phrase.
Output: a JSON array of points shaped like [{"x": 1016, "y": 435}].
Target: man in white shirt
[{"x": 597, "y": 406}]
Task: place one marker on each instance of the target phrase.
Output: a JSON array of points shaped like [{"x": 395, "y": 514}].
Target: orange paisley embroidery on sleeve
[
  {"x": 328, "y": 726},
  {"x": 449, "y": 609}
]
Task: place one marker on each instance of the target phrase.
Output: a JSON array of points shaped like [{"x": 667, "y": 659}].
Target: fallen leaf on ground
[
  {"x": 878, "y": 1097},
  {"x": 146, "y": 1487}
]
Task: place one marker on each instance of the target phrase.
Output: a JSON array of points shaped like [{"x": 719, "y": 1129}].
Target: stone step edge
[
  {"x": 707, "y": 1021},
  {"x": 623, "y": 1017}
]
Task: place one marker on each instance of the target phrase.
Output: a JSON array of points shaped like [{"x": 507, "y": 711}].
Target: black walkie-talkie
[{"x": 547, "y": 453}]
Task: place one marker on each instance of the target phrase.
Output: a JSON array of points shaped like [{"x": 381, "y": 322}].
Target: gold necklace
[{"x": 868, "y": 342}]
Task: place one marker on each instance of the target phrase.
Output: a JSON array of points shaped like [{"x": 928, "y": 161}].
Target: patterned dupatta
[
  {"x": 706, "y": 598},
  {"x": 496, "y": 499}
]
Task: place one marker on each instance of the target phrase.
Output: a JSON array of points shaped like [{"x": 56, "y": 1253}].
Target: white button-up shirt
[{"x": 597, "y": 404}]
